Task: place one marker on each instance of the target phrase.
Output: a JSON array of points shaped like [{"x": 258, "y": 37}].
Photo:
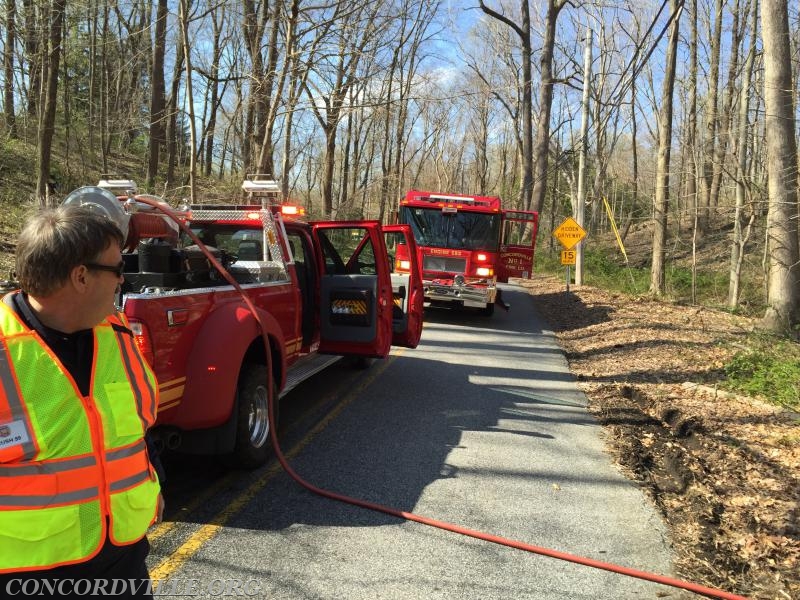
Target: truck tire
[
  {"x": 487, "y": 311},
  {"x": 253, "y": 428}
]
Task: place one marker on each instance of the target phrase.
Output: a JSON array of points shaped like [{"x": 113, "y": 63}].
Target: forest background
[{"x": 681, "y": 113}]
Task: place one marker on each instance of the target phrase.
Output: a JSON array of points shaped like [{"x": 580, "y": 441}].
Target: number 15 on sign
[{"x": 568, "y": 257}]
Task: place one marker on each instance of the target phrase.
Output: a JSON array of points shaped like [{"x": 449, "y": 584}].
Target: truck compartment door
[
  {"x": 407, "y": 291},
  {"x": 517, "y": 244},
  {"x": 355, "y": 289}
]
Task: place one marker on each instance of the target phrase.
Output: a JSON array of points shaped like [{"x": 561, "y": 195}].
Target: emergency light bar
[
  {"x": 118, "y": 187},
  {"x": 292, "y": 210},
  {"x": 462, "y": 199},
  {"x": 440, "y": 198},
  {"x": 261, "y": 186}
]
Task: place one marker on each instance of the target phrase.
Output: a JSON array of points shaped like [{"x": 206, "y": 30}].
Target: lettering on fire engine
[
  {"x": 443, "y": 251},
  {"x": 516, "y": 256}
]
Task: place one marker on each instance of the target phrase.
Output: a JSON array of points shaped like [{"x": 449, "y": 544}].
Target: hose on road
[{"x": 408, "y": 516}]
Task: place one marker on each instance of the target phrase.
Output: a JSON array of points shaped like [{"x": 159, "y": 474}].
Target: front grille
[{"x": 443, "y": 263}]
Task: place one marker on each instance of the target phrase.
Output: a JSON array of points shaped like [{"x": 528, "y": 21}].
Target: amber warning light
[{"x": 292, "y": 210}]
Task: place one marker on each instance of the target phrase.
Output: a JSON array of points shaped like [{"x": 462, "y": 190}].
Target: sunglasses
[{"x": 117, "y": 269}]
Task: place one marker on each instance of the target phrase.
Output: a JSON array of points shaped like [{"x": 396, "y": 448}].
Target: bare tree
[
  {"x": 172, "y": 113},
  {"x": 727, "y": 113},
  {"x": 711, "y": 121},
  {"x": 740, "y": 235},
  {"x": 8, "y": 68},
  {"x": 47, "y": 122},
  {"x": 541, "y": 148},
  {"x": 33, "y": 54},
  {"x": 661, "y": 202},
  {"x": 214, "y": 96},
  {"x": 337, "y": 73},
  {"x": 184, "y": 18},
  {"x": 523, "y": 31},
  {"x": 157, "y": 93},
  {"x": 691, "y": 141},
  {"x": 783, "y": 294},
  {"x": 254, "y": 23}
]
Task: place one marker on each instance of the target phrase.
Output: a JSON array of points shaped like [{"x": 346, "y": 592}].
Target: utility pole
[{"x": 584, "y": 142}]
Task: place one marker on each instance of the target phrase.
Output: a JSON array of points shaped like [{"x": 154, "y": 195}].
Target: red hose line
[{"x": 408, "y": 516}]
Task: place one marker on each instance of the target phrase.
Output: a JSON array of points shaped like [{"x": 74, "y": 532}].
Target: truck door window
[
  {"x": 393, "y": 239},
  {"x": 517, "y": 233},
  {"x": 348, "y": 250}
]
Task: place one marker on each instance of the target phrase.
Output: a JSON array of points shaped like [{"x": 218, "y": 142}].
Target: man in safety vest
[{"x": 78, "y": 490}]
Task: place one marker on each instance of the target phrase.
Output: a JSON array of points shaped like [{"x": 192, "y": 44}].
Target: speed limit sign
[{"x": 568, "y": 257}]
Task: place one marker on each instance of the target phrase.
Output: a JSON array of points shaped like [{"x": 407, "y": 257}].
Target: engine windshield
[{"x": 459, "y": 230}]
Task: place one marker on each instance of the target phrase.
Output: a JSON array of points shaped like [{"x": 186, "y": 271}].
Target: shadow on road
[{"x": 393, "y": 438}]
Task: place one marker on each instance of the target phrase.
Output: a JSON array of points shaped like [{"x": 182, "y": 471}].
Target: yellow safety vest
[{"x": 71, "y": 466}]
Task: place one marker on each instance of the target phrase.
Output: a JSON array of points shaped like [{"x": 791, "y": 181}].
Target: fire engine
[
  {"x": 466, "y": 244},
  {"x": 323, "y": 290}
]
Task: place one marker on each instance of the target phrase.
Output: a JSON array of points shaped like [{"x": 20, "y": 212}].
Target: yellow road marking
[{"x": 207, "y": 532}]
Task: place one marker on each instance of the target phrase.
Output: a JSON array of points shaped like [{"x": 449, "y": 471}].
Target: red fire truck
[
  {"x": 323, "y": 290},
  {"x": 466, "y": 244}
]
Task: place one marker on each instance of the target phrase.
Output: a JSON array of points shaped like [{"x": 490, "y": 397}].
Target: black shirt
[{"x": 74, "y": 350}]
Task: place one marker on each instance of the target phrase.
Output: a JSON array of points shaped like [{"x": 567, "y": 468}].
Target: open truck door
[
  {"x": 517, "y": 244},
  {"x": 356, "y": 298},
  {"x": 407, "y": 290}
]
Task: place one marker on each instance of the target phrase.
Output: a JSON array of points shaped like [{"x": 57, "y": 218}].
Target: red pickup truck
[{"x": 323, "y": 290}]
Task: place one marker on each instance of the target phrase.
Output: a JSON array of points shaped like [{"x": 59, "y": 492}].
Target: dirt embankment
[{"x": 724, "y": 470}]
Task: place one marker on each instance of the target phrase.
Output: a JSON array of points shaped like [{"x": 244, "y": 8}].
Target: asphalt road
[{"x": 482, "y": 426}]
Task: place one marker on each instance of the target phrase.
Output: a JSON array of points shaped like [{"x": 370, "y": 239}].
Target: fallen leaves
[{"x": 724, "y": 469}]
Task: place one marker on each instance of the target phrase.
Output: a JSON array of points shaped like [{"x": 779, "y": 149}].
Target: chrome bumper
[{"x": 469, "y": 295}]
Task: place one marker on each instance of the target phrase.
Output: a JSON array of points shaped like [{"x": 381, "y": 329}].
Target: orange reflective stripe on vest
[
  {"x": 127, "y": 467},
  {"x": 53, "y": 483},
  {"x": 141, "y": 377}
]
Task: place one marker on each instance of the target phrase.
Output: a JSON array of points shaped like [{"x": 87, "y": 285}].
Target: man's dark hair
[{"x": 55, "y": 241}]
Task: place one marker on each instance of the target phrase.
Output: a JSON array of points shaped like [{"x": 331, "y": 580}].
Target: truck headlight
[{"x": 483, "y": 272}]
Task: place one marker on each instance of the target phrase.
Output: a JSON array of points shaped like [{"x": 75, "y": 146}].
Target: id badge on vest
[{"x": 13, "y": 434}]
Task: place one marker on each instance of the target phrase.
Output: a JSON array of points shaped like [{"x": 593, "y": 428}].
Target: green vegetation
[
  {"x": 605, "y": 269},
  {"x": 769, "y": 368}
]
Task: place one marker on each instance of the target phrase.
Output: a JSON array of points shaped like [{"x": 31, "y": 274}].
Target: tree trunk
[
  {"x": 105, "y": 78},
  {"x": 661, "y": 203},
  {"x": 218, "y": 18},
  {"x": 91, "y": 117},
  {"x": 187, "y": 58},
  {"x": 691, "y": 144},
  {"x": 50, "y": 97},
  {"x": 173, "y": 125},
  {"x": 739, "y": 238},
  {"x": 33, "y": 53},
  {"x": 8, "y": 68},
  {"x": 726, "y": 114},
  {"x": 157, "y": 94},
  {"x": 541, "y": 148},
  {"x": 254, "y": 24},
  {"x": 783, "y": 291},
  {"x": 711, "y": 118},
  {"x": 528, "y": 151}
]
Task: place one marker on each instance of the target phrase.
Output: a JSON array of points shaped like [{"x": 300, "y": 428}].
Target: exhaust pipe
[{"x": 172, "y": 440}]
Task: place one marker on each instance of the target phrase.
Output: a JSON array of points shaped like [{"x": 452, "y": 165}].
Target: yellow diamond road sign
[{"x": 569, "y": 233}]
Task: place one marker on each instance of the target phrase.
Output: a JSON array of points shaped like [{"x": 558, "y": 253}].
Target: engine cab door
[
  {"x": 355, "y": 288},
  {"x": 517, "y": 244},
  {"x": 407, "y": 292}
]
